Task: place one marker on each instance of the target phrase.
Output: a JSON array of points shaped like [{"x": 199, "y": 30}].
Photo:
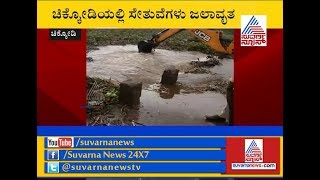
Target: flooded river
[{"x": 176, "y": 105}]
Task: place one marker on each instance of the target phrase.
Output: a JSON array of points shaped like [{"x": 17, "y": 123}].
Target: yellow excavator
[{"x": 211, "y": 37}]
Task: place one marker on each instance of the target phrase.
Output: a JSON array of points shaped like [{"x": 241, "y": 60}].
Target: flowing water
[{"x": 176, "y": 105}]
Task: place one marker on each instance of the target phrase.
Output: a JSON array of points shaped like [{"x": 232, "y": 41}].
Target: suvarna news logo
[
  {"x": 253, "y": 150},
  {"x": 253, "y": 157},
  {"x": 253, "y": 30}
]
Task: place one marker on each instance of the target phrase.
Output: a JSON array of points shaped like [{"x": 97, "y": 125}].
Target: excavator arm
[{"x": 213, "y": 38}]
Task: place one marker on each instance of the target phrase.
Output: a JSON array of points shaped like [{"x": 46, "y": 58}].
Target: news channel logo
[
  {"x": 53, "y": 167},
  {"x": 253, "y": 150},
  {"x": 253, "y": 30},
  {"x": 52, "y": 155},
  {"x": 253, "y": 157},
  {"x": 60, "y": 142}
]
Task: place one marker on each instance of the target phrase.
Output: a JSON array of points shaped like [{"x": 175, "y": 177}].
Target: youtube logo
[
  {"x": 65, "y": 142},
  {"x": 59, "y": 142}
]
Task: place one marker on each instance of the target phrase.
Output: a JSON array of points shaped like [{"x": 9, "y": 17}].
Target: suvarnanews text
[{"x": 69, "y": 154}]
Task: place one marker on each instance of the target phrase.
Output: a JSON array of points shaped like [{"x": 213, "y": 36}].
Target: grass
[
  {"x": 109, "y": 90},
  {"x": 182, "y": 41}
]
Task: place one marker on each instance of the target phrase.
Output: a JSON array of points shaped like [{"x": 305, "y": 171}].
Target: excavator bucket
[{"x": 145, "y": 46}]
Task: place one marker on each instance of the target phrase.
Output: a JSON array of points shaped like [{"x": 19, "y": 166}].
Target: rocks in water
[
  {"x": 130, "y": 92},
  {"x": 89, "y": 59},
  {"x": 208, "y": 63},
  {"x": 198, "y": 70},
  {"x": 170, "y": 75}
]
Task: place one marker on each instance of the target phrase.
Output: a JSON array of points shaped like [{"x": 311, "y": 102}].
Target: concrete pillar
[
  {"x": 170, "y": 75},
  {"x": 130, "y": 92}
]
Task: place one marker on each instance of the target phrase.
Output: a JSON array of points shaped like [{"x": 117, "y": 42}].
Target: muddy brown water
[{"x": 175, "y": 105}]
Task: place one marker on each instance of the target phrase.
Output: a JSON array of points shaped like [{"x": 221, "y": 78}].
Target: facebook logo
[
  {"x": 53, "y": 155},
  {"x": 53, "y": 167}
]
